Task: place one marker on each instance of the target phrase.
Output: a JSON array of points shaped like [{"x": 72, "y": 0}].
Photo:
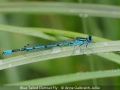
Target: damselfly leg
[{"x": 89, "y": 48}]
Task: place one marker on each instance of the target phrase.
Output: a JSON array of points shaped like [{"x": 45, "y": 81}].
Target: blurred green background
[{"x": 98, "y": 26}]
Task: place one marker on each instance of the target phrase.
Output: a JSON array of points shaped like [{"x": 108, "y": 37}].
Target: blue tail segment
[
  {"x": 73, "y": 42},
  {"x": 6, "y": 52}
]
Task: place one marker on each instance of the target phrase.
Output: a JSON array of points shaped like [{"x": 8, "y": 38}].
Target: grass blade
[
  {"x": 60, "y": 8},
  {"x": 63, "y": 52},
  {"x": 70, "y": 78}
]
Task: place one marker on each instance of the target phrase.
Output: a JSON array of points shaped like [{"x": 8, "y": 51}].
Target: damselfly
[{"x": 73, "y": 42}]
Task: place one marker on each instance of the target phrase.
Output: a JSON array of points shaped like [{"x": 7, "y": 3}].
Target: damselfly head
[{"x": 89, "y": 38}]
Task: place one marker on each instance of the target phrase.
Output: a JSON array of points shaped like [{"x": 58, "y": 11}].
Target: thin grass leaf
[
  {"x": 59, "y": 52},
  {"x": 60, "y": 8},
  {"x": 27, "y": 32},
  {"x": 38, "y": 32},
  {"x": 61, "y": 79}
]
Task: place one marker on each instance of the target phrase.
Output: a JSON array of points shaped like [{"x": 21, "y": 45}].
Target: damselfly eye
[{"x": 90, "y": 38}]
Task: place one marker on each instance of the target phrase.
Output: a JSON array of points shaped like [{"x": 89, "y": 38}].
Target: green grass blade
[
  {"x": 70, "y": 78},
  {"x": 32, "y": 32},
  {"x": 60, "y": 8},
  {"x": 63, "y": 52},
  {"x": 38, "y": 32}
]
